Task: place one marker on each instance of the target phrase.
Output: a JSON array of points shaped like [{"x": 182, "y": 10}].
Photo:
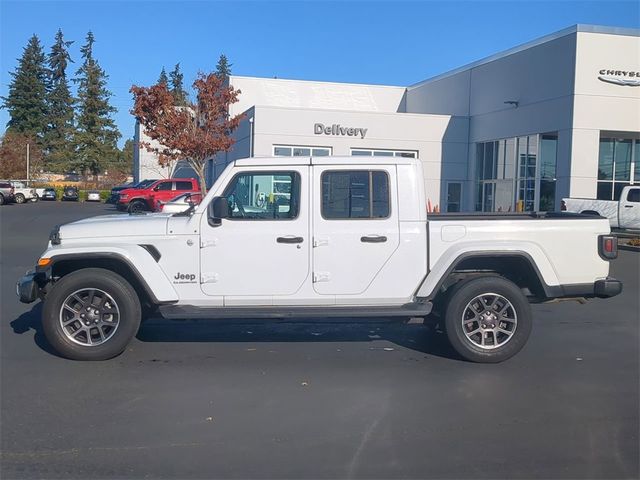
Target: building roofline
[
  {"x": 633, "y": 32},
  {"x": 318, "y": 81},
  {"x": 342, "y": 110}
]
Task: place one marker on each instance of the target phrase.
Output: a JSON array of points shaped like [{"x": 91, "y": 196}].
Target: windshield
[{"x": 144, "y": 184}]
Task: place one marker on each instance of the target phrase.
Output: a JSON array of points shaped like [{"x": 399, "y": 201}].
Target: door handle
[
  {"x": 373, "y": 239},
  {"x": 628, "y": 206},
  {"x": 289, "y": 239}
]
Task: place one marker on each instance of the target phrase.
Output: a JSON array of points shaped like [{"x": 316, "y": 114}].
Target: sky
[{"x": 377, "y": 42}]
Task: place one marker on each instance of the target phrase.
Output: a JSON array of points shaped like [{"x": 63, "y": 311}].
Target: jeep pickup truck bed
[{"x": 317, "y": 237}]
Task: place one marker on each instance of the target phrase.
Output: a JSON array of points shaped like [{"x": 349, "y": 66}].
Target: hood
[{"x": 116, "y": 226}]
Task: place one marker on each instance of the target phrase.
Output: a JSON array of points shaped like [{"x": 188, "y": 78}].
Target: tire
[
  {"x": 1, "y": 199},
  {"x": 137, "y": 206},
  {"x": 109, "y": 332},
  {"x": 496, "y": 310},
  {"x": 20, "y": 198}
]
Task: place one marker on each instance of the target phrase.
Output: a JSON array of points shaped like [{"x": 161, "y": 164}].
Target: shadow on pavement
[
  {"x": 32, "y": 320},
  {"x": 424, "y": 338}
]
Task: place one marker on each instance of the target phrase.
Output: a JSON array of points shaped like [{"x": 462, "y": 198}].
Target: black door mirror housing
[{"x": 218, "y": 209}]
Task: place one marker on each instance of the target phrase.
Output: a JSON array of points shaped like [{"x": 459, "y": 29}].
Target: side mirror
[{"x": 218, "y": 209}]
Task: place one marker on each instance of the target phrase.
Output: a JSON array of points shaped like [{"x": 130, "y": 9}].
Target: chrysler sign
[
  {"x": 620, "y": 77},
  {"x": 338, "y": 130}
]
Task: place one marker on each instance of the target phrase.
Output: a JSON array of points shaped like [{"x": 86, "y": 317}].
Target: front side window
[
  {"x": 264, "y": 196},
  {"x": 163, "y": 186},
  {"x": 355, "y": 194}
]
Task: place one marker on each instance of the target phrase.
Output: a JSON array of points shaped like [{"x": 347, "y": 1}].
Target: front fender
[{"x": 138, "y": 259}]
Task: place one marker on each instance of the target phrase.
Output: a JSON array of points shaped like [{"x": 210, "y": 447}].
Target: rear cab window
[{"x": 355, "y": 194}]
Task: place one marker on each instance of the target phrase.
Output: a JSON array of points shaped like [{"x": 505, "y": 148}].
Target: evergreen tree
[
  {"x": 26, "y": 101},
  {"x": 58, "y": 140},
  {"x": 223, "y": 68},
  {"x": 177, "y": 89},
  {"x": 163, "y": 79},
  {"x": 96, "y": 133}
]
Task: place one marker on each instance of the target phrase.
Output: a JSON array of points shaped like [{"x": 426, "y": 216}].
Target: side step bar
[{"x": 180, "y": 312}]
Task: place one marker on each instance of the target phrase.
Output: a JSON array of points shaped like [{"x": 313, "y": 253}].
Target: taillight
[
  {"x": 608, "y": 247},
  {"x": 563, "y": 206}
]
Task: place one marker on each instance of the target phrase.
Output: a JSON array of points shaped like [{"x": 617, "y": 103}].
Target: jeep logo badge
[{"x": 184, "y": 278}]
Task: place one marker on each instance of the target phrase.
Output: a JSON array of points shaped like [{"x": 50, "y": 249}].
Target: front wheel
[
  {"x": 488, "y": 319},
  {"x": 91, "y": 314},
  {"x": 20, "y": 198},
  {"x": 137, "y": 206}
]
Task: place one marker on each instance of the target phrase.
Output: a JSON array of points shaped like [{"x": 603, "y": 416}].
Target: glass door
[{"x": 527, "y": 191}]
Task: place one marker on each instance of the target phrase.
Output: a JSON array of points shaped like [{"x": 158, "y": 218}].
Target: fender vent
[{"x": 153, "y": 251}]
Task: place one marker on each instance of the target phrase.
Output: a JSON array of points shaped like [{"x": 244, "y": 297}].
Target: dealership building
[{"x": 519, "y": 130}]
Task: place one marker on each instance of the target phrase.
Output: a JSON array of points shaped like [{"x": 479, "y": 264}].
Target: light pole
[{"x": 28, "y": 163}]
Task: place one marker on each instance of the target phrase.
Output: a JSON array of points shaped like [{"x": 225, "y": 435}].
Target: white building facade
[{"x": 556, "y": 117}]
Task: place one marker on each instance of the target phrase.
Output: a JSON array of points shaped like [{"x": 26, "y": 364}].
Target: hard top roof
[{"x": 324, "y": 160}]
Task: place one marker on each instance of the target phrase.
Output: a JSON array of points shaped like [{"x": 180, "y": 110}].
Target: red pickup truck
[{"x": 144, "y": 199}]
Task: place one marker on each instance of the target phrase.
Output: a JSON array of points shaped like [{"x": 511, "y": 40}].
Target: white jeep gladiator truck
[{"x": 316, "y": 237}]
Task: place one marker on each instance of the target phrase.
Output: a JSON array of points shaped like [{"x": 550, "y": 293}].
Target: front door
[
  {"x": 263, "y": 249},
  {"x": 629, "y": 216},
  {"x": 355, "y": 227}
]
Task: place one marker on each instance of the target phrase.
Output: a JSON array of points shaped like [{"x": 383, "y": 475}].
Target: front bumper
[
  {"x": 608, "y": 287},
  {"x": 27, "y": 288}
]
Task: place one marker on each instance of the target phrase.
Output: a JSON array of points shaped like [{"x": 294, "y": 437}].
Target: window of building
[
  {"x": 264, "y": 196},
  {"x": 548, "y": 166},
  {"x": 618, "y": 166},
  {"x": 383, "y": 153},
  {"x": 517, "y": 174},
  {"x": 355, "y": 194},
  {"x": 300, "y": 151},
  {"x": 454, "y": 196}
]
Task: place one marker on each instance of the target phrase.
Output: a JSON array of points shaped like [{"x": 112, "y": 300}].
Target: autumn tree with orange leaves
[{"x": 195, "y": 132}]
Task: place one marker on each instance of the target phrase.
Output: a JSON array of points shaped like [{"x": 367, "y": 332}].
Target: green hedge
[{"x": 104, "y": 194}]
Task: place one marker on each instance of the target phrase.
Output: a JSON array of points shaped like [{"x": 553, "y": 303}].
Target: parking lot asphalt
[{"x": 198, "y": 399}]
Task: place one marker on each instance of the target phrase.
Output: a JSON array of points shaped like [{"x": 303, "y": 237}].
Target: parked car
[
  {"x": 93, "y": 196},
  {"x": 115, "y": 191},
  {"x": 21, "y": 192},
  {"x": 6, "y": 193},
  {"x": 70, "y": 193},
  {"x": 324, "y": 237},
  {"x": 622, "y": 213},
  {"x": 136, "y": 200},
  {"x": 49, "y": 194},
  {"x": 178, "y": 204}
]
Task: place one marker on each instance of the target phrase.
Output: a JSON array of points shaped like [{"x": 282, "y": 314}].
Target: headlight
[{"x": 123, "y": 196}]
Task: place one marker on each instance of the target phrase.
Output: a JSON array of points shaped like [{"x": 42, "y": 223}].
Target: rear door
[
  {"x": 355, "y": 226},
  {"x": 629, "y": 215}
]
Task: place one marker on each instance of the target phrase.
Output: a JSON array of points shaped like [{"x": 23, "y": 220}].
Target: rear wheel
[
  {"x": 20, "y": 198},
  {"x": 1, "y": 199},
  {"x": 488, "y": 319},
  {"x": 91, "y": 314}
]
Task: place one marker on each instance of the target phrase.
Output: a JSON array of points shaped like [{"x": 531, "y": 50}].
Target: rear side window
[
  {"x": 183, "y": 186},
  {"x": 633, "y": 195},
  {"x": 355, "y": 194},
  {"x": 164, "y": 186}
]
